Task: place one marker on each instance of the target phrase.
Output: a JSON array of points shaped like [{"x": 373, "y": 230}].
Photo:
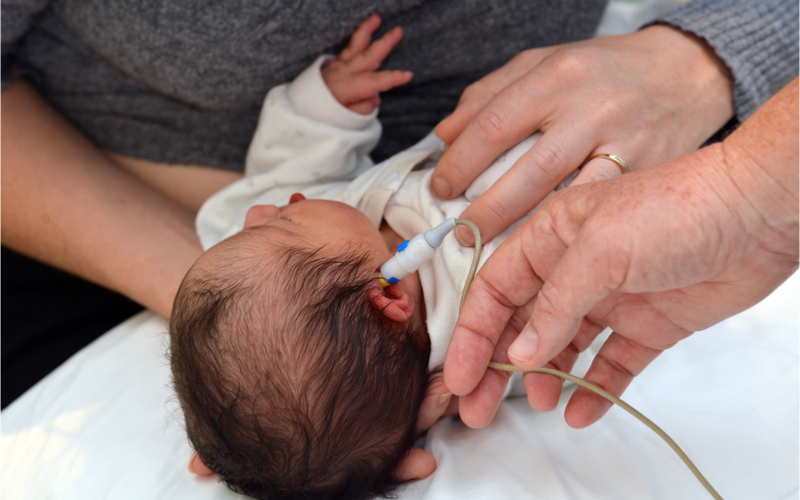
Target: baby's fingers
[
  {"x": 361, "y": 38},
  {"x": 365, "y": 107},
  {"x": 371, "y": 58},
  {"x": 367, "y": 85}
]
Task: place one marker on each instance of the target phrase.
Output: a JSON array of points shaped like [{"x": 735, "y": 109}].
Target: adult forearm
[{"x": 67, "y": 204}]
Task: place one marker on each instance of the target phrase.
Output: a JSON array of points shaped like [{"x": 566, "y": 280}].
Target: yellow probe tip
[{"x": 382, "y": 281}]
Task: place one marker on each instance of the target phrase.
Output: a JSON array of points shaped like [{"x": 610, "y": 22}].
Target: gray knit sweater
[
  {"x": 758, "y": 39},
  {"x": 182, "y": 81}
]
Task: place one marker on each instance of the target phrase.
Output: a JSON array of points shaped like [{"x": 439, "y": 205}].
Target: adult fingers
[
  {"x": 373, "y": 56},
  {"x": 361, "y": 38},
  {"x": 477, "y": 409},
  {"x": 601, "y": 169},
  {"x": 594, "y": 264},
  {"x": 477, "y": 95},
  {"x": 618, "y": 362},
  {"x": 554, "y": 156},
  {"x": 544, "y": 390},
  {"x": 512, "y": 115},
  {"x": 505, "y": 282}
]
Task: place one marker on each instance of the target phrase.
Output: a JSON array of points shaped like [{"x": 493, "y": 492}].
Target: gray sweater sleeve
[
  {"x": 16, "y": 21},
  {"x": 757, "y": 39}
]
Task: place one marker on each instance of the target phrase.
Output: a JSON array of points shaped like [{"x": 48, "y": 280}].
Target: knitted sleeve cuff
[{"x": 757, "y": 39}]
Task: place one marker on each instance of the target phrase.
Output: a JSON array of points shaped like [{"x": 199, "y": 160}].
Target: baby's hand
[{"x": 353, "y": 77}]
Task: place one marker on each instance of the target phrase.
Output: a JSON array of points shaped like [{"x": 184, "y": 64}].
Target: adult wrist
[
  {"x": 691, "y": 59},
  {"x": 761, "y": 159},
  {"x": 763, "y": 197},
  {"x": 756, "y": 39}
]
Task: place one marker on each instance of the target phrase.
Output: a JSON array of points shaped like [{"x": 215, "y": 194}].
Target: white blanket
[{"x": 105, "y": 425}]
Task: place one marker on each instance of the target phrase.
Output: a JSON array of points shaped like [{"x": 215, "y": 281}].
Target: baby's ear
[
  {"x": 196, "y": 466},
  {"x": 393, "y": 301}
]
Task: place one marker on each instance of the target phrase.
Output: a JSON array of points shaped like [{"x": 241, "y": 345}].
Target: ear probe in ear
[{"x": 411, "y": 254}]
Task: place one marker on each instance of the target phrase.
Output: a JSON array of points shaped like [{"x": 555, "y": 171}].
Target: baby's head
[{"x": 299, "y": 376}]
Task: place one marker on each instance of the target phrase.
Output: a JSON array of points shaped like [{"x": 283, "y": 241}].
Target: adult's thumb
[{"x": 576, "y": 285}]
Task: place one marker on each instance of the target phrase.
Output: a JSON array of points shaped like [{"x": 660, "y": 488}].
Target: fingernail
[
  {"x": 526, "y": 345},
  {"x": 444, "y": 398},
  {"x": 440, "y": 187},
  {"x": 464, "y": 237}
]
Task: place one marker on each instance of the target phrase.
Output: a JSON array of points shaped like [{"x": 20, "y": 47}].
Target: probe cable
[{"x": 572, "y": 378}]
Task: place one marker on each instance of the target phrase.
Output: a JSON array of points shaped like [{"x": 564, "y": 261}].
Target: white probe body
[{"x": 411, "y": 254}]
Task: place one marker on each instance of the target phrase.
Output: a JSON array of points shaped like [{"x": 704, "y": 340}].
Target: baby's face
[{"x": 317, "y": 223}]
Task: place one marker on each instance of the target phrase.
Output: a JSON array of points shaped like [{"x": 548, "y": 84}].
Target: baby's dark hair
[{"x": 291, "y": 383}]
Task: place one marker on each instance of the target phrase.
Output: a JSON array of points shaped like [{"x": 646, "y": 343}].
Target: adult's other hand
[
  {"x": 646, "y": 97},
  {"x": 655, "y": 255}
]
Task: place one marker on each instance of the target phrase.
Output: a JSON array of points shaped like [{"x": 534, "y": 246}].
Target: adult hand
[
  {"x": 646, "y": 97},
  {"x": 655, "y": 255}
]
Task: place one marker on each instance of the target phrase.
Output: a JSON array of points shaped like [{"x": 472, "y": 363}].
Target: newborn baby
[{"x": 298, "y": 374}]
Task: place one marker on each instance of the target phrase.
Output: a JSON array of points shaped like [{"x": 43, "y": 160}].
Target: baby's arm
[
  {"x": 353, "y": 77},
  {"x": 306, "y": 135},
  {"x": 322, "y": 125}
]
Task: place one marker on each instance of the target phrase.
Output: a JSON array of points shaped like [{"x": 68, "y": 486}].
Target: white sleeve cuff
[{"x": 310, "y": 97}]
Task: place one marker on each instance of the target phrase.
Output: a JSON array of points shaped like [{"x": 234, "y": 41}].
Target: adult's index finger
[
  {"x": 505, "y": 282},
  {"x": 505, "y": 120}
]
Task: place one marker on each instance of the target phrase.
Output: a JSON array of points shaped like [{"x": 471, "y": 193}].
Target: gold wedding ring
[{"x": 616, "y": 159}]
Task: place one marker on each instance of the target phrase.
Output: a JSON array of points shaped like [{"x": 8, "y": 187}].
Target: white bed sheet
[{"x": 105, "y": 425}]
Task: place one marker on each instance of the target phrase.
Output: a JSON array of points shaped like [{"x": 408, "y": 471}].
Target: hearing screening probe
[{"x": 411, "y": 254}]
